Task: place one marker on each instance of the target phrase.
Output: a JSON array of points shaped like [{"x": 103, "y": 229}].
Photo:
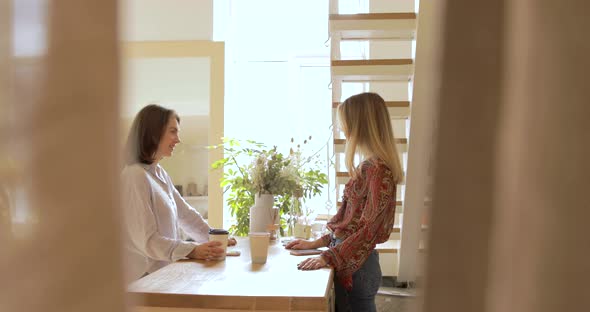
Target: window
[{"x": 278, "y": 75}]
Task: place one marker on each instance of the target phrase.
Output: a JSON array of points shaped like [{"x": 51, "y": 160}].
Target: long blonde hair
[{"x": 367, "y": 126}]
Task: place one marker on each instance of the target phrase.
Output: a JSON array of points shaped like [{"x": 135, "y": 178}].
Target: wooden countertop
[{"x": 236, "y": 284}]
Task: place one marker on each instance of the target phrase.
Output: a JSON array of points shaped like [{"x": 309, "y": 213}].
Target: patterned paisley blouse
[{"x": 365, "y": 219}]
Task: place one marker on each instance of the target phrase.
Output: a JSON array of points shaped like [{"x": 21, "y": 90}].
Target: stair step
[
  {"x": 343, "y": 178},
  {"x": 398, "y": 205},
  {"x": 393, "y": 246},
  {"x": 373, "y": 70},
  {"x": 374, "y": 26},
  {"x": 401, "y": 145},
  {"x": 399, "y": 208},
  {"x": 397, "y": 109},
  {"x": 398, "y": 229}
]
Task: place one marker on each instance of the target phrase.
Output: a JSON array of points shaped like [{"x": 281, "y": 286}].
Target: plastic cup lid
[{"x": 218, "y": 231}]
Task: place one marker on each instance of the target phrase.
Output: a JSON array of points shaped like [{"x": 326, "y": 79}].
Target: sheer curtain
[
  {"x": 58, "y": 136},
  {"x": 509, "y": 229}
]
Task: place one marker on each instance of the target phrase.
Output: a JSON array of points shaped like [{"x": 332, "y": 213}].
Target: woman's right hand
[
  {"x": 302, "y": 244},
  {"x": 207, "y": 251}
]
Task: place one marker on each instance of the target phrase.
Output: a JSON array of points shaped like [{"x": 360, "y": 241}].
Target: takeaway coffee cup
[
  {"x": 219, "y": 235},
  {"x": 259, "y": 246}
]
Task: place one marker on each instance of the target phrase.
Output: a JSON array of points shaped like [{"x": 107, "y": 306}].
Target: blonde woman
[{"x": 367, "y": 213}]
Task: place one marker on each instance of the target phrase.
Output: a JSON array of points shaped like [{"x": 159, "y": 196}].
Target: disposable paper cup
[
  {"x": 219, "y": 235},
  {"x": 259, "y": 246}
]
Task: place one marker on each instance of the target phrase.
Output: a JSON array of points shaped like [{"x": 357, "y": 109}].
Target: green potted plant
[{"x": 255, "y": 175}]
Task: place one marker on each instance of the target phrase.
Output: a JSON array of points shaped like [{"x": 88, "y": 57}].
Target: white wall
[
  {"x": 181, "y": 84},
  {"x": 178, "y": 83},
  {"x": 189, "y": 162},
  {"x": 162, "y": 20}
]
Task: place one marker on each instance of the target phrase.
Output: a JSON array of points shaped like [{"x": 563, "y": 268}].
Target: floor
[{"x": 392, "y": 299}]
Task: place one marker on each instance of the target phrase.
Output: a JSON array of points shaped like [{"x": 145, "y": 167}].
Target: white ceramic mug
[
  {"x": 219, "y": 235},
  {"x": 259, "y": 246}
]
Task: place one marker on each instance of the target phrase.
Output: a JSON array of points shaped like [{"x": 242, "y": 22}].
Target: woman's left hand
[
  {"x": 312, "y": 264},
  {"x": 231, "y": 241}
]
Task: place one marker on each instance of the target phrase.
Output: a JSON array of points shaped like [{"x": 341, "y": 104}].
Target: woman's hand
[
  {"x": 207, "y": 251},
  {"x": 301, "y": 244},
  {"x": 312, "y": 264},
  {"x": 231, "y": 241}
]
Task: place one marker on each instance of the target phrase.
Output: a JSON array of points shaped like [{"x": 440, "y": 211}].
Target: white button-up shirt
[{"x": 154, "y": 211}]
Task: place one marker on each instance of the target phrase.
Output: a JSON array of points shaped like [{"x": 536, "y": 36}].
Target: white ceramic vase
[{"x": 261, "y": 214}]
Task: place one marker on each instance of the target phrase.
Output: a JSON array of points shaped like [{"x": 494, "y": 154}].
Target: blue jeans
[{"x": 365, "y": 284}]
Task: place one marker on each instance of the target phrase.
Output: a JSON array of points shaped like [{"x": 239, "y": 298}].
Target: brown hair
[
  {"x": 145, "y": 134},
  {"x": 366, "y": 123}
]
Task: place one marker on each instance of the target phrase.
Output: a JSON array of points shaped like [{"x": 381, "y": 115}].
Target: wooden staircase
[{"x": 375, "y": 74}]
